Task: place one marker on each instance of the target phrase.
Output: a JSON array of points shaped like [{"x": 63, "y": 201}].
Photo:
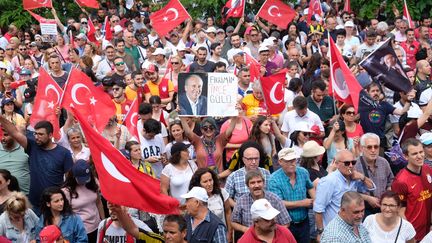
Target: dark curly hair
[
  {"x": 46, "y": 198},
  {"x": 196, "y": 180}
]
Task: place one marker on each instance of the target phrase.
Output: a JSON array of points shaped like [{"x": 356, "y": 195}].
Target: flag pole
[
  {"x": 260, "y": 8},
  {"x": 244, "y": 6},
  {"x": 67, "y": 81},
  {"x": 331, "y": 73},
  {"x": 133, "y": 103}
]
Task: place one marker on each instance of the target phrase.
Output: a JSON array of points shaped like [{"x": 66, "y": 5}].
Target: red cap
[
  {"x": 151, "y": 68},
  {"x": 50, "y": 234},
  {"x": 316, "y": 129}
]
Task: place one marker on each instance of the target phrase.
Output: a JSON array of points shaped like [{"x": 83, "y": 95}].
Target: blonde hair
[{"x": 17, "y": 203}]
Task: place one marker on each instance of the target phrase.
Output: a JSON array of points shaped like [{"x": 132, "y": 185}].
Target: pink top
[
  {"x": 358, "y": 132},
  {"x": 238, "y": 136},
  {"x": 86, "y": 207}
]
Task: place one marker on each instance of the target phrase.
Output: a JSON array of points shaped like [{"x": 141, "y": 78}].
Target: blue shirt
[
  {"x": 280, "y": 185},
  {"x": 339, "y": 231},
  {"x": 71, "y": 227},
  {"x": 329, "y": 193},
  {"x": 220, "y": 234}
]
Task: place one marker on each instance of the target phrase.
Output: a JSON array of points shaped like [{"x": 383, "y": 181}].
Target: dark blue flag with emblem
[{"x": 384, "y": 67}]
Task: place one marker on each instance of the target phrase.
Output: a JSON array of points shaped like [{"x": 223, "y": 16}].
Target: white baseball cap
[
  {"x": 302, "y": 127},
  {"x": 263, "y": 48},
  {"x": 117, "y": 29},
  {"x": 287, "y": 154},
  {"x": 159, "y": 51},
  {"x": 198, "y": 193},
  {"x": 262, "y": 208},
  {"x": 414, "y": 112},
  {"x": 349, "y": 24},
  {"x": 211, "y": 30},
  {"x": 426, "y": 138}
]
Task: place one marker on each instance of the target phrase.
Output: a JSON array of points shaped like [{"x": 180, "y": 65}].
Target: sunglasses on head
[
  {"x": 207, "y": 128},
  {"x": 347, "y": 163}
]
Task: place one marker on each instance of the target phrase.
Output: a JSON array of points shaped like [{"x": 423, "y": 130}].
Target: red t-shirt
[
  {"x": 415, "y": 192},
  {"x": 411, "y": 50},
  {"x": 358, "y": 132},
  {"x": 282, "y": 235}
]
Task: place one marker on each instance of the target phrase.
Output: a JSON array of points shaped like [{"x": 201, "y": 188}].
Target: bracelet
[{"x": 320, "y": 231}]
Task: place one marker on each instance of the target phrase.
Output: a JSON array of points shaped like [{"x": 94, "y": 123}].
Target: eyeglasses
[
  {"x": 388, "y": 205},
  {"x": 369, "y": 147},
  {"x": 174, "y": 62},
  {"x": 84, "y": 23},
  {"x": 207, "y": 128},
  {"x": 119, "y": 63},
  {"x": 251, "y": 158},
  {"x": 347, "y": 163},
  {"x": 350, "y": 113}
]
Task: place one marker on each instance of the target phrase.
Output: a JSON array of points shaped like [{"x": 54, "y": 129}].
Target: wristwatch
[
  {"x": 364, "y": 178},
  {"x": 320, "y": 231}
]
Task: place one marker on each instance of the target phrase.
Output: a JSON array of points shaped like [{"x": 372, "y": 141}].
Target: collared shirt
[
  {"x": 8, "y": 230},
  {"x": 382, "y": 175},
  {"x": 236, "y": 185},
  {"x": 329, "y": 193},
  {"x": 325, "y": 110},
  {"x": 241, "y": 213},
  {"x": 282, "y": 235},
  {"x": 220, "y": 234},
  {"x": 291, "y": 119},
  {"x": 193, "y": 105},
  {"x": 280, "y": 185},
  {"x": 16, "y": 162},
  {"x": 339, "y": 231}
]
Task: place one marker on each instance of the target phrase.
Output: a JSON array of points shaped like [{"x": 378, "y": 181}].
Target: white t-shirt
[
  {"x": 216, "y": 206},
  {"x": 153, "y": 147},
  {"x": 407, "y": 231},
  {"x": 291, "y": 119},
  {"x": 179, "y": 179},
  {"x": 118, "y": 234}
]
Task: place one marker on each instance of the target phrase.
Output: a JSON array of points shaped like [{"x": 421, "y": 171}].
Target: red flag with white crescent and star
[
  {"x": 273, "y": 91},
  {"x": 170, "y": 16},
  {"x": 314, "y": 9},
  {"x": 254, "y": 67},
  {"x": 347, "y": 6},
  {"x": 407, "y": 16},
  {"x": 233, "y": 9},
  {"x": 33, "y": 4},
  {"x": 131, "y": 119},
  {"x": 343, "y": 85},
  {"x": 88, "y": 3},
  {"x": 120, "y": 182},
  {"x": 90, "y": 101},
  {"x": 277, "y": 12},
  {"x": 47, "y": 99}
]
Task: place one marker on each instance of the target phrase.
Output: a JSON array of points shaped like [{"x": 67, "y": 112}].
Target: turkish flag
[
  {"x": 91, "y": 31},
  {"x": 347, "y": 6},
  {"x": 41, "y": 19},
  {"x": 90, "y": 101},
  {"x": 254, "y": 67},
  {"x": 233, "y": 9},
  {"x": 170, "y": 16},
  {"x": 88, "y": 3},
  {"x": 277, "y": 12},
  {"x": 343, "y": 85},
  {"x": 16, "y": 84},
  {"x": 314, "y": 9},
  {"x": 120, "y": 182},
  {"x": 107, "y": 27},
  {"x": 131, "y": 119},
  {"x": 48, "y": 95},
  {"x": 407, "y": 16},
  {"x": 273, "y": 91},
  {"x": 32, "y": 4}
]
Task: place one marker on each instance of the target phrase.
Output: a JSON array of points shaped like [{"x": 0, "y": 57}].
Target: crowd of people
[{"x": 320, "y": 171}]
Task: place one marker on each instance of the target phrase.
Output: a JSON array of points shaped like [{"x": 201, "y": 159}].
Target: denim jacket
[
  {"x": 13, "y": 234},
  {"x": 71, "y": 227}
]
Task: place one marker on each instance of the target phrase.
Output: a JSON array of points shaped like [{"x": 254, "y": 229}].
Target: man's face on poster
[
  {"x": 389, "y": 60},
  {"x": 193, "y": 87}
]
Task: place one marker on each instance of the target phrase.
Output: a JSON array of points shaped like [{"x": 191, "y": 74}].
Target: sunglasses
[
  {"x": 119, "y": 63},
  {"x": 174, "y": 62},
  {"x": 9, "y": 49},
  {"x": 369, "y": 147},
  {"x": 350, "y": 113},
  {"x": 347, "y": 163},
  {"x": 84, "y": 23},
  {"x": 207, "y": 128},
  {"x": 306, "y": 134},
  {"x": 115, "y": 21},
  {"x": 23, "y": 49},
  {"x": 116, "y": 89},
  {"x": 253, "y": 35}
]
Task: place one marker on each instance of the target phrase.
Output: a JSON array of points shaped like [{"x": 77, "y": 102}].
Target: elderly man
[
  {"x": 291, "y": 183},
  {"x": 375, "y": 167},
  {"x": 347, "y": 225},
  {"x": 250, "y": 154},
  {"x": 191, "y": 101},
  {"x": 201, "y": 222},
  {"x": 265, "y": 228},
  {"x": 331, "y": 188},
  {"x": 241, "y": 216},
  {"x": 254, "y": 104}
]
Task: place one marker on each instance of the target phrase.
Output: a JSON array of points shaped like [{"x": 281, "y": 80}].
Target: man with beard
[
  {"x": 265, "y": 228},
  {"x": 120, "y": 101},
  {"x": 373, "y": 117},
  {"x": 48, "y": 161},
  {"x": 347, "y": 225},
  {"x": 236, "y": 47},
  {"x": 155, "y": 85},
  {"x": 202, "y": 65},
  {"x": 191, "y": 101},
  {"x": 242, "y": 217},
  {"x": 14, "y": 159},
  {"x": 135, "y": 89}
]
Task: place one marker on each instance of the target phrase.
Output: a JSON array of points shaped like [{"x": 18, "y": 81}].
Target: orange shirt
[{"x": 161, "y": 89}]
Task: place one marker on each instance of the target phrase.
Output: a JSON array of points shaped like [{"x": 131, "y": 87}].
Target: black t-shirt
[
  {"x": 314, "y": 174},
  {"x": 61, "y": 80},
  {"x": 206, "y": 68}
]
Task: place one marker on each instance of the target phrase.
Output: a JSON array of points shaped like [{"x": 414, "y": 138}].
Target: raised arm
[
  {"x": 186, "y": 31},
  {"x": 125, "y": 220},
  {"x": 58, "y": 22},
  {"x": 186, "y": 128},
  {"x": 277, "y": 132},
  {"x": 13, "y": 132}
]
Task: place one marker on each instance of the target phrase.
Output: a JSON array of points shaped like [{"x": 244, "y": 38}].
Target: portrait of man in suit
[
  {"x": 191, "y": 101},
  {"x": 393, "y": 73}
]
